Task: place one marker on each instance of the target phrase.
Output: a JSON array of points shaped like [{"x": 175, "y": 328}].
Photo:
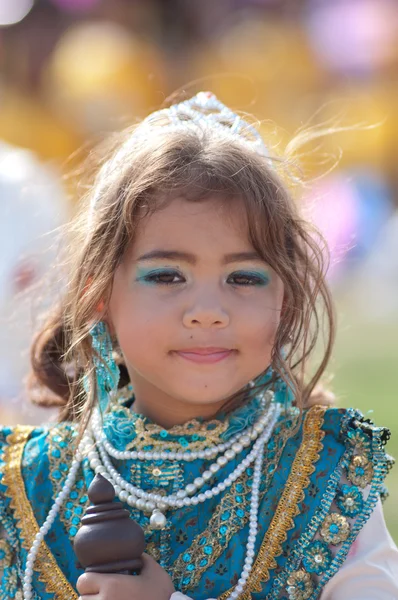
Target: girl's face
[{"x": 194, "y": 308}]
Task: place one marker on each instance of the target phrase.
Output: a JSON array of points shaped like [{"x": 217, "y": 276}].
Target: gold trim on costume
[
  {"x": 49, "y": 572},
  {"x": 293, "y": 493}
]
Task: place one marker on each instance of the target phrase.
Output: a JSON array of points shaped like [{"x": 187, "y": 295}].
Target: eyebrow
[{"x": 190, "y": 258}]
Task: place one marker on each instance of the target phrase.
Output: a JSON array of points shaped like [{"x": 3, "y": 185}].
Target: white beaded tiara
[
  {"x": 205, "y": 111},
  {"x": 200, "y": 113}
]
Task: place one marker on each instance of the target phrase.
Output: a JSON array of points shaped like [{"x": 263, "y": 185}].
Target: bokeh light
[{"x": 13, "y": 11}]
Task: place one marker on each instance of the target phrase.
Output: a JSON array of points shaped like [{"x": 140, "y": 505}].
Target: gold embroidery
[
  {"x": 61, "y": 447},
  {"x": 150, "y": 434},
  {"x": 49, "y": 572},
  {"x": 195, "y": 435},
  {"x": 212, "y": 536},
  {"x": 287, "y": 509}
]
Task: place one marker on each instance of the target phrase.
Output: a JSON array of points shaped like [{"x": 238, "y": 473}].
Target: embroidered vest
[{"x": 323, "y": 474}]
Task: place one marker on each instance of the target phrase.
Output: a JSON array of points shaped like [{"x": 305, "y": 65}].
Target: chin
[{"x": 204, "y": 394}]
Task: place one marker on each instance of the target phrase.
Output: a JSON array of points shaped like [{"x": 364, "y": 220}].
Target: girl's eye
[
  {"x": 163, "y": 277},
  {"x": 244, "y": 279}
]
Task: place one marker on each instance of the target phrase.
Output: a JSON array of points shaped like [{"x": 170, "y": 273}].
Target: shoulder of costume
[
  {"x": 34, "y": 463},
  {"x": 27, "y": 453},
  {"x": 362, "y": 440},
  {"x": 331, "y": 475}
]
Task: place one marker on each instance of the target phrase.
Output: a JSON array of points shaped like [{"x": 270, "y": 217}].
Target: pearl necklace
[
  {"x": 45, "y": 528},
  {"x": 253, "y": 526},
  {"x": 244, "y": 439},
  {"x": 157, "y": 504},
  {"x": 85, "y": 444}
]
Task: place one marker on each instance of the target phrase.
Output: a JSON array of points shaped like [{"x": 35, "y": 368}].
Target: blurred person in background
[{"x": 32, "y": 208}]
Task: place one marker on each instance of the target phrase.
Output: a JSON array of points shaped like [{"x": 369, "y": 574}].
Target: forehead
[{"x": 213, "y": 222}]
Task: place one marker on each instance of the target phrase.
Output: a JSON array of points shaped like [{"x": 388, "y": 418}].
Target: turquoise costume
[{"x": 323, "y": 474}]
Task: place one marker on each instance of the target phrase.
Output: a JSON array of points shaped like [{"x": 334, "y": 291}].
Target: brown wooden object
[{"x": 108, "y": 540}]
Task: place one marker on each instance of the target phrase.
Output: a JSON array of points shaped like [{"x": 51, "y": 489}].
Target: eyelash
[
  {"x": 250, "y": 279},
  {"x": 156, "y": 277}
]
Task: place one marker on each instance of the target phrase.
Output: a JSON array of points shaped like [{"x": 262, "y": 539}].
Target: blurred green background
[{"x": 365, "y": 368}]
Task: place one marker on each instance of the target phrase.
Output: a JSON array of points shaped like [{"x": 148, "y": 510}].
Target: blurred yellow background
[{"x": 73, "y": 70}]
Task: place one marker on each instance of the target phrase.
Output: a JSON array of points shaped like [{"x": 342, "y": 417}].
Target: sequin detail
[
  {"x": 349, "y": 500},
  {"x": 299, "y": 586},
  {"x": 293, "y": 493},
  {"x": 231, "y": 515},
  {"x": 335, "y": 529},
  {"x": 360, "y": 471},
  {"x": 317, "y": 557},
  {"x": 127, "y": 430},
  {"x": 50, "y": 574},
  {"x": 60, "y": 455}
]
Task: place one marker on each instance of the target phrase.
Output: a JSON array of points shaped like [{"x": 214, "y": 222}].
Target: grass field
[{"x": 365, "y": 366}]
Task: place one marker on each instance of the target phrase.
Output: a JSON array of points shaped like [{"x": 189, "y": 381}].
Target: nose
[{"x": 206, "y": 315}]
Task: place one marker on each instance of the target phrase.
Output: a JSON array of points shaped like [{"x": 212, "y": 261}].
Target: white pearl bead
[
  {"x": 157, "y": 520},
  {"x": 190, "y": 488},
  {"x": 206, "y": 475},
  {"x": 237, "y": 448},
  {"x": 181, "y": 494},
  {"x": 214, "y": 468},
  {"x": 230, "y": 454},
  {"x": 123, "y": 496},
  {"x": 140, "y": 504},
  {"x": 199, "y": 482},
  {"x": 222, "y": 461}
]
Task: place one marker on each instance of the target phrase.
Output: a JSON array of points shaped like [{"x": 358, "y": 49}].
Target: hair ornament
[{"x": 201, "y": 113}]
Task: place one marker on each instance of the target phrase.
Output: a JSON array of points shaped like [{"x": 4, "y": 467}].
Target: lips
[{"x": 208, "y": 355}]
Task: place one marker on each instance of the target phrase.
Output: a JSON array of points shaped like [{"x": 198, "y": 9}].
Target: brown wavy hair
[{"x": 136, "y": 175}]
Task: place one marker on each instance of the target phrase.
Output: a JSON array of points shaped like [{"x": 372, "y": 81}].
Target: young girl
[{"x": 194, "y": 269}]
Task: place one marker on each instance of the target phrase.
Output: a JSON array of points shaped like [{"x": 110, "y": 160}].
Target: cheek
[
  {"x": 261, "y": 322},
  {"x": 141, "y": 327},
  {"x": 260, "y": 329}
]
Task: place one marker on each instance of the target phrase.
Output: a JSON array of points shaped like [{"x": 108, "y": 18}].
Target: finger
[
  {"x": 148, "y": 561},
  {"x": 149, "y": 565},
  {"x": 88, "y": 584}
]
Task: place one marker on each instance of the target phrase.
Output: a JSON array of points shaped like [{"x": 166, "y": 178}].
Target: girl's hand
[{"x": 153, "y": 583}]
